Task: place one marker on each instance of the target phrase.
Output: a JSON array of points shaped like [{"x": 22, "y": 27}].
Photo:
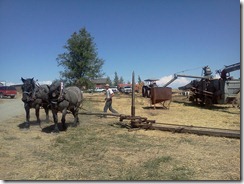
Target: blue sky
[{"x": 154, "y": 38}]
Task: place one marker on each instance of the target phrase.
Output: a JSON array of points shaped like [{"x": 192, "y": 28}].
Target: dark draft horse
[
  {"x": 34, "y": 96},
  {"x": 64, "y": 99}
]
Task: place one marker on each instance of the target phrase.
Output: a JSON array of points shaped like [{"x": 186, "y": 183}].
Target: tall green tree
[
  {"x": 139, "y": 79},
  {"x": 109, "y": 81},
  {"x": 121, "y": 80},
  {"x": 80, "y": 61},
  {"x": 116, "y": 79}
]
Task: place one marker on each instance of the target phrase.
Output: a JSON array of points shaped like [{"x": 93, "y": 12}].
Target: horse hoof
[
  {"x": 27, "y": 126},
  {"x": 56, "y": 131},
  {"x": 75, "y": 124}
]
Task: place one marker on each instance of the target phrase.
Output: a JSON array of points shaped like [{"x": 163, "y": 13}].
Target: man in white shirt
[{"x": 108, "y": 100}]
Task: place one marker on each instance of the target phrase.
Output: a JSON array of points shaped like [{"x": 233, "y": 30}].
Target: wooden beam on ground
[
  {"x": 217, "y": 132},
  {"x": 100, "y": 114},
  {"x": 197, "y": 130}
]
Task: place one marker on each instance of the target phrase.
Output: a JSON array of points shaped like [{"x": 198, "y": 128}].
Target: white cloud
[
  {"x": 45, "y": 82},
  {"x": 180, "y": 81},
  {"x": 217, "y": 76},
  {"x": 48, "y": 82},
  {"x": 7, "y": 83}
]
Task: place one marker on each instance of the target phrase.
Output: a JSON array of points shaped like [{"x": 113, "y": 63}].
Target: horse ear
[
  {"x": 23, "y": 80},
  {"x": 32, "y": 79}
]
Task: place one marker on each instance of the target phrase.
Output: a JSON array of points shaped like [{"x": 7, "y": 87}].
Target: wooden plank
[
  {"x": 198, "y": 130},
  {"x": 100, "y": 113}
]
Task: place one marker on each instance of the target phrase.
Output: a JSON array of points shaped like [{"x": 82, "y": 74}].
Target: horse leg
[
  {"x": 47, "y": 114},
  {"x": 64, "y": 112},
  {"x": 27, "y": 111},
  {"x": 55, "y": 119},
  {"x": 38, "y": 114},
  {"x": 76, "y": 117}
]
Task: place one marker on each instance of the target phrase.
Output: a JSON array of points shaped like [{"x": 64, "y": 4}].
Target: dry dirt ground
[{"x": 100, "y": 149}]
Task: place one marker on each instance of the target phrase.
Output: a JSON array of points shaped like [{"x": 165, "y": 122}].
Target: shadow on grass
[
  {"x": 49, "y": 129},
  {"x": 212, "y": 107},
  {"x": 46, "y": 129},
  {"x": 157, "y": 107},
  {"x": 32, "y": 123}
]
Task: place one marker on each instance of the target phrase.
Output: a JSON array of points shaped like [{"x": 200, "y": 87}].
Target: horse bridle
[
  {"x": 28, "y": 90},
  {"x": 59, "y": 94}
]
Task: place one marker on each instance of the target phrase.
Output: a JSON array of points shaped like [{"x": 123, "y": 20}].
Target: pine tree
[
  {"x": 139, "y": 79},
  {"x": 109, "y": 81},
  {"x": 116, "y": 79},
  {"x": 121, "y": 80}
]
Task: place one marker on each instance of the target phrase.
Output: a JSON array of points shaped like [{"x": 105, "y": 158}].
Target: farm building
[{"x": 100, "y": 82}]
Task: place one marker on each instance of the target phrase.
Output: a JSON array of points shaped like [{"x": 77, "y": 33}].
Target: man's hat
[{"x": 107, "y": 85}]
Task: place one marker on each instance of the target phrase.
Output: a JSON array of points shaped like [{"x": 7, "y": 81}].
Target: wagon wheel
[
  {"x": 148, "y": 93},
  {"x": 191, "y": 98},
  {"x": 144, "y": 89},
  {"x": 208, "y": 102}
]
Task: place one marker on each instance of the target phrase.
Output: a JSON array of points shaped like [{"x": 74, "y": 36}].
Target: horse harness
[
  {"x": 31, "y": 93},
  {"x": 60, "y": 96}
]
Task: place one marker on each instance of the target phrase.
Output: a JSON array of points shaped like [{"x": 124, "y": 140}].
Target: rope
[{"x": 189, "y": 69}]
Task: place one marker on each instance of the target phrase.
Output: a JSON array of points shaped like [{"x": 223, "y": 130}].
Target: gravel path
[{"x": 10, "y": 108}]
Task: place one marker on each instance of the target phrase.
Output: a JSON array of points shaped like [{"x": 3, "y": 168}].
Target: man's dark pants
[{"x": 108, "y": 105}]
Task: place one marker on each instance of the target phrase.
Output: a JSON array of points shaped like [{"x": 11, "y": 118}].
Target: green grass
[{"x": 181, "y": 173}]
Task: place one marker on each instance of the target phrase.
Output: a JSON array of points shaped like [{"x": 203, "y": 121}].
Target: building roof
[
  {"x": 99, "y": 81},
  {"x": 124, "y": 85}
]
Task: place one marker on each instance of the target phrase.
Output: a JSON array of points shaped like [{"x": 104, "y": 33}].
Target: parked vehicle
[
  {"x": 96, "y": 90},
  {"x": 146, "y": 88},
  {"x": 115, "y": 89},
  {"x": 7, "y": 91},
  {"x": 127, "y": 89},
  {"x": 99, "y": 90}
]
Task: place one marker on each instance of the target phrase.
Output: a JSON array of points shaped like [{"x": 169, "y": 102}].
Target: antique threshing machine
[{"x": 209, "y": 90}]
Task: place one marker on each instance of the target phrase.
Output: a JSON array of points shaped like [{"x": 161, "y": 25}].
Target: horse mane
[{"x": 56, "y": 85}]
